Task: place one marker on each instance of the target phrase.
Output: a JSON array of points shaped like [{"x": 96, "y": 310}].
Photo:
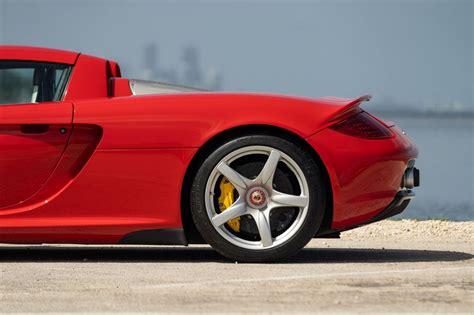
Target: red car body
[{"x": 102, "y": 163}]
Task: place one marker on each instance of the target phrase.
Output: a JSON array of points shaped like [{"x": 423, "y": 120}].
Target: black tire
[{"x": 302, "y": 236}]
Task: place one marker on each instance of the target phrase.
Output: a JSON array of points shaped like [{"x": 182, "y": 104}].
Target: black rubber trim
[
  {"x": 397, "y": 206},
  {"x": 156, "y": 237},
  {"x": 330, "y": 235}
]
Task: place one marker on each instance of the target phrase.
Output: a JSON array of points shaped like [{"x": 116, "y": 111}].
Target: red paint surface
[
  {"x": 121, "y": 166},
  {"x": 37, "y": 54},
  {"x": 119, "y": 87},
  {"x": 28, "y": 158},
  {"x": 365, "y": 174}
]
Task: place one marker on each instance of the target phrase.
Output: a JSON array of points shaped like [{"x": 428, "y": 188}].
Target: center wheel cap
[{"x": 257, "y": 197}]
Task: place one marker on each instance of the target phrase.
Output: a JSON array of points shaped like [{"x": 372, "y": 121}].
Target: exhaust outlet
[{"x": 411, "y": 178}]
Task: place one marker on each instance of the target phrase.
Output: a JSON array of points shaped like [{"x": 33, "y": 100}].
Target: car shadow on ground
[{"x": 204, "y": 254}]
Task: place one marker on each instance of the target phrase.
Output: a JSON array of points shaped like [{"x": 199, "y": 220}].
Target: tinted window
[{"x": 32, "y": 82}]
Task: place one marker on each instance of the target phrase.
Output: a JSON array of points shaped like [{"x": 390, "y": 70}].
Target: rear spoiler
[{"x": 347, "y": 106}]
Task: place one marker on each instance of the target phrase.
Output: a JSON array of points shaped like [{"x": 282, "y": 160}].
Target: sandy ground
[{"x": 391, "y": 266}]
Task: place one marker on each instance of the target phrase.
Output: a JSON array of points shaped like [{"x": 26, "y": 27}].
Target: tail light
[{"x": 364, "y": 126}]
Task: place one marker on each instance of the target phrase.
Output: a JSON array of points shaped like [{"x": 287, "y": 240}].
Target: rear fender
[{"x": 189, "y": 120}]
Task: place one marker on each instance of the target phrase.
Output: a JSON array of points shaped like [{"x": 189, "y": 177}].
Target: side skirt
[{"x": 156, "y": 237}]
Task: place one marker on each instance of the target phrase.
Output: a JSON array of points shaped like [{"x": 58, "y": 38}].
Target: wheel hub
[{"x": 257, "y": 197}]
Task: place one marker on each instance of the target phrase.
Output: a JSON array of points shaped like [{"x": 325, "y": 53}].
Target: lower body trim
[{"x": 156, "y": 237}]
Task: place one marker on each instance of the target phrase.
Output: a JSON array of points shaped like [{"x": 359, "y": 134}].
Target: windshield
[{"x": 32, "y": 82}]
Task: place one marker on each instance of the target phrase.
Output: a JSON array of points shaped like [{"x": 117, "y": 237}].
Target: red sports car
[{"x": 89, "y": 157}]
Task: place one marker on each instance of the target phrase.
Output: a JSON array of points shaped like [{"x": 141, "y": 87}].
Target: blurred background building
[
  {"x": 414, "y": 56},
  {"x": 188, "y": 71}
]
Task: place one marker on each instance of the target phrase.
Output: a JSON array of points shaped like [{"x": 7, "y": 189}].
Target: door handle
[{"x": 34, "y": 128}]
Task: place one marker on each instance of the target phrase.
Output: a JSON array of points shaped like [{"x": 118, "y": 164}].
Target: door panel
[{"x": 32, "y": 139}]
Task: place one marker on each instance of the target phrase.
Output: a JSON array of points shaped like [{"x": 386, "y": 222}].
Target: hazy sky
[{"x": 417, "y": 52}]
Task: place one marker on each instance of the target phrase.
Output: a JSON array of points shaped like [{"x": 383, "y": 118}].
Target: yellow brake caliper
[{"x": 226, "y": 199}]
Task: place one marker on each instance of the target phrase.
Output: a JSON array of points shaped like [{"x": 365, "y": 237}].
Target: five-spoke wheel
[{"x": 258, "y": 198}]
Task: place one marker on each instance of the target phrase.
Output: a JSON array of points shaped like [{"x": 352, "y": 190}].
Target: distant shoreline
[
  {"x": 434, "y": 218},
  {"x": 419, "y": 114}
]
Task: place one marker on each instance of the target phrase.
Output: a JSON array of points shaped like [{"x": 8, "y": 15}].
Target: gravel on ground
[{"x": 390, "y": 266}]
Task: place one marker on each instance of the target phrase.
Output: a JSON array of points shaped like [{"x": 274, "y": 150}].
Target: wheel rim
[{"x": 257, "y": 197}]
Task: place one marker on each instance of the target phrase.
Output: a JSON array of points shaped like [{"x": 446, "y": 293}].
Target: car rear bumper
[
  {"x": 366, "y": 175},
  {"x": 397, "y": 206}
]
